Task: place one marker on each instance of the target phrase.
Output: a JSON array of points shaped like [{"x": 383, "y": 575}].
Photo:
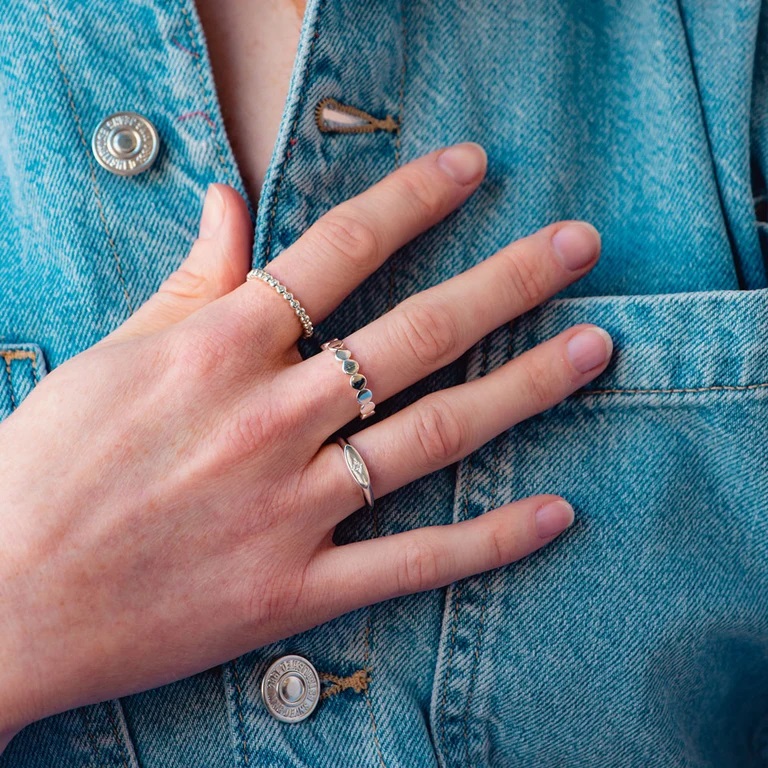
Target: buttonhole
[{"x": 332, "y": 116}]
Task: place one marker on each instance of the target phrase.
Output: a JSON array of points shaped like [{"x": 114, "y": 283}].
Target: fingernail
[
  {"x": 588, "y": 349},
  {"x": 213, "y": 212},
  {"x": 553, "y": 518},
  {"x": 576, "y": 245},
  {"x": 464, "y": 162}
]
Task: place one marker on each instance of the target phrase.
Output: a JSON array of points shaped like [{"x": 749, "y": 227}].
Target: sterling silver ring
[
  {"x": 261, "y": 274},
  {"x": 358, "y": 470},
  {"x": 357, "y": 381}
]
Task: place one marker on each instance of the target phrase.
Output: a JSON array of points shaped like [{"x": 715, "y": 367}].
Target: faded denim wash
[{"x": 639, "y": 638}]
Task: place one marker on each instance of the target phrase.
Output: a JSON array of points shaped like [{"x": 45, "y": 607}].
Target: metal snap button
[
  {"x": 125, "y": 143},
  {"x": 290, "y": 688}
]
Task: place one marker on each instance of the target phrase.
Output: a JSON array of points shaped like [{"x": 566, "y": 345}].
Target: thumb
[{"x": 216, "y": 264}]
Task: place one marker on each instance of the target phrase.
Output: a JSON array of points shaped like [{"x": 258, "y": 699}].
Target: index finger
[{"x": 349, "y": 242}]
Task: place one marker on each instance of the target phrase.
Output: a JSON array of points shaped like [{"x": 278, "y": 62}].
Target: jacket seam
[
  {"x": 485, "y": 580},
  {"x": 239, "y": 707},
  {"x": 118, "y": 741},
  {"x": 454, "y": 625},
  {"x": 83, "y": 711},
  {"x": 81, "y": 134},
  {"x": 674, "y": 390},
  {"x": 206, "y": 95},
  {"x": 368, "y": 666},
  {"x": 291, "y": 137},
  {"x": 398, "y": 138}
]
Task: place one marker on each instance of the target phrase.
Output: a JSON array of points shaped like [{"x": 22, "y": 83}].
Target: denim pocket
[
  {"x": 24, "y": 366},
  {"x": 640, "y": 637}
]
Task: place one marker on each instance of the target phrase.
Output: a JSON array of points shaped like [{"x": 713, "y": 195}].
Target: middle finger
[{"x": 433, "y": 328}]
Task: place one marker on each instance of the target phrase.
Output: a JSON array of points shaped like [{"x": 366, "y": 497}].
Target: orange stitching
[
  {"x": 9, "y": 355},
  {"x": 10, "y": 381},
  {"x": 18, "y": 354},
  {"x": 372, "y": 123},
  {"x": 675, "y": 391},
  {"x": 94, "y": 181},
  {"x": 358, "y": 682}
]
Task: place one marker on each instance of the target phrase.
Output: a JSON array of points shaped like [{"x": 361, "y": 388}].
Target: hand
[{"x": 153, "y": 485}]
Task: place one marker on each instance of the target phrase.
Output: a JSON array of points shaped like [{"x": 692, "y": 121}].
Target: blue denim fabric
[{"x": 640, "y": 638}]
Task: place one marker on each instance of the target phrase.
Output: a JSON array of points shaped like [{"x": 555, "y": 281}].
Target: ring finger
[{"x": 444, "y": 427}]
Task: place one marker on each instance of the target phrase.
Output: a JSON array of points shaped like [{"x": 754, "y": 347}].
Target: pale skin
[
  {"x": 251, "y": 46},
  {"x": 174, "y": 461}
]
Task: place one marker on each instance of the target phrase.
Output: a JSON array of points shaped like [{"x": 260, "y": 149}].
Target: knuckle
[
  {"x": 440, "y": 434},
  {"x": 183, "y": 283},
  {"x": 539, "y": 384},
  {"x": 497, "y": 543},
  {"x": 416, "y": 187},
  {"x": 524, "y": 277},
  {"x": 427, "y": 332},
  {"x": 247, "y": 430},
  {"x": 251, "y": 425},
  {"x": 347, "y": 236},
  {"x": 419, "y": 566}
]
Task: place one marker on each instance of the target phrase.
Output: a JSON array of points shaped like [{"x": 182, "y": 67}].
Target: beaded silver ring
[
  {"x": 306, "y": 323},
  {"x": 356, "y": 380}
]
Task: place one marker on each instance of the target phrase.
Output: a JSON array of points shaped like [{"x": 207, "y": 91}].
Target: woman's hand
[{"x": 153, "y": 486}]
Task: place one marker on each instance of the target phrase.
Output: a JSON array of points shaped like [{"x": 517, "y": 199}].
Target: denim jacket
[{"x": 640, "y": 637}]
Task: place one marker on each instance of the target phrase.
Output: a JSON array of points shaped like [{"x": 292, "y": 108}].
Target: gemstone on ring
[
  {"x": 356, "y": 380},
  {"x": 364, "y": 395}
]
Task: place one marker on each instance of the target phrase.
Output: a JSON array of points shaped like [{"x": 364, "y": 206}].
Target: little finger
[{"x": 366, "y": 572}]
